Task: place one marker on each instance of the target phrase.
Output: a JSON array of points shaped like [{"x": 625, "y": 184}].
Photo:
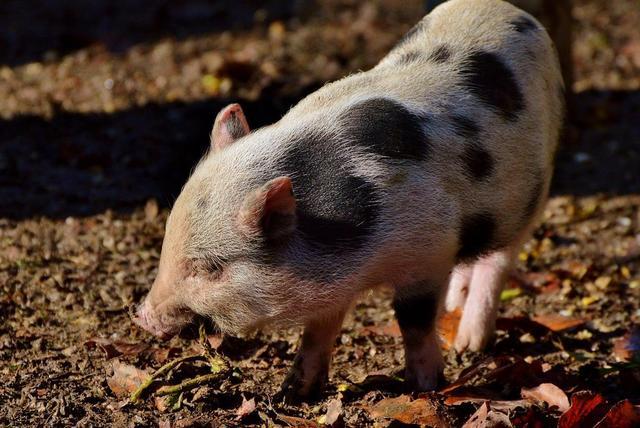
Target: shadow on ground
[
  {"x": 78, "y": 164},
  {"x": 31, "y": 30}
]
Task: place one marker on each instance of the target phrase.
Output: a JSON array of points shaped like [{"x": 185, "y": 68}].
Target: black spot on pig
[
  {"x": 416, "y": 29},
  {"x": 524, "y": 24},
  {"x": 476, "y": 236},
  {"x": 478, "y": 162},
  {"x": 388, "y": 129},
  {"x": 335, "y": 210},
  {"x": 534, "y": 197},
  {"x": 440, "y": 55},
  {"x": 465, "y": 127},
  {"x": 416, "y": 312},
  {"x": 409, "y": 57},
  {"x": 489, "y": 78}
]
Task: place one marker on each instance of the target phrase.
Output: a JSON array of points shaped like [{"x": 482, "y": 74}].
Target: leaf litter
[{"x": 83, "y": 220}]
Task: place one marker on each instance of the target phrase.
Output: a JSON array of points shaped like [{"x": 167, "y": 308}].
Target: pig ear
[
  {"x": 270, "y": 210},
  {"x": 230, "y": 125}
]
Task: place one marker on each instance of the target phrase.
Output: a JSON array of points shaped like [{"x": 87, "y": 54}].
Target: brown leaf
[
  {"x": 522, "y": 323},
  {"x": 126, "y": 378},
  {"x": 448, "y": 328},
  {"x": 246, "y": 408},
  {"x": 622, "y": 415},
  {"x": 392, "y": 330},
  {"x": 556, "y": 322},
  {"x": 334, "y": 411},
  {"x": 115, "y": 348},
  {"x": 485, "y": 417},
  {"x": 293, "y": 421},
  {"x": 548, "y": 393},
  {"x": 403, "y": 409},
  {"x": 586, "y": 409},
  {"x": 161, "y": 355}
]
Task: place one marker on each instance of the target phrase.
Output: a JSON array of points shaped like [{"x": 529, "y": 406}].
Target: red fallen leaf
[
  {"x": 586, "y": 409},
  {"x": 246, "y": 408},
  {"x": 334, "y": 412},
  {"x": 448, "y": 328},
  {"x": 548, "y": 393},
  {"x": 556, "y": 322},
  {"x": 293, "y": 421},
  {"x": 622, "y": 415},
  {"x": 392, "y": 330},
  {"x": 418, "y": 412},
  {"x": 115, "y": 348},
  {"x": 126, "y": 378},
  {"x": 485, "y": 417}
]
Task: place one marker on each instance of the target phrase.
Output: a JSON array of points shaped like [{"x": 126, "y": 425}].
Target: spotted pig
[{"x": 425, "y": 173}]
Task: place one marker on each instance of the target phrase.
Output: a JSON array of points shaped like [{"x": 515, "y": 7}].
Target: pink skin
[
  {"x": 162, "y": 326},
  {"x": 164, "y": 311}
]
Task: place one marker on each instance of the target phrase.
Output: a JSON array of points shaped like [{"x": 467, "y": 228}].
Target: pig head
[{"x": 203, "y": 263}]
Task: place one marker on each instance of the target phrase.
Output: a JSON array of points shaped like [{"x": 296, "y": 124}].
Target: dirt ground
[{"x": 104, "y": 110}]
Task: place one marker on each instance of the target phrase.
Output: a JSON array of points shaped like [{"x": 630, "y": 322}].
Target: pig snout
[{"x": 163, "y": 326}]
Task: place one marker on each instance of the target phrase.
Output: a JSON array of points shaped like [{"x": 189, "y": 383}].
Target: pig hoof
[
  {"x": 473, "y": 339},
  {"x": 423, "y": 381},
  {"x": 296, "y": 389}
]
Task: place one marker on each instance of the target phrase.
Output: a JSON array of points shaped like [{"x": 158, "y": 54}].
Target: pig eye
[{"x": 210, "y": 265}]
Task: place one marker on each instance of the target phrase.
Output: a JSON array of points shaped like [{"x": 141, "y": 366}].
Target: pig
[
  {"x": 424, "y": 174},
  {"x": 555, "y": 15}
]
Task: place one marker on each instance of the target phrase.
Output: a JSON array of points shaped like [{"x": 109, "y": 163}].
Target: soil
[{"x": 105, "y": 109}]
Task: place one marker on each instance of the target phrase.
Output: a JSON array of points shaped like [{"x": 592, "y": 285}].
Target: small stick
[
  {"x": 188, "y": 384},
  {"x": 135, "y": 395}
]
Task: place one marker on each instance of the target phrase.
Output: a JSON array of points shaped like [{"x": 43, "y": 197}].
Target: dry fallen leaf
[
  {"x": 548, "y": 393},
  {"x": 126, "y": 378},
  {"x": 448, "y": 328},
  {"x": 292, "y": 421},
  {"x": 334, "y": 413},
  {"x": 556, "y": 322},
  {"x": 420, "y": 411},
  {"x": 115, "y": 348},
  {"x": 485, "y": 417},
  {"x": 246, "y": 408},
  {"x": 391, "y": 329}
]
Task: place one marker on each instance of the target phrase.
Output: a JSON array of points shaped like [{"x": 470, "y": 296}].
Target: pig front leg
[
  {"x": 416, "y": 309},
  {"x": 310, "y": 369}
]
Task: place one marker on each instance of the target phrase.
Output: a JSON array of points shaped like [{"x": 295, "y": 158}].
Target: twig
[
  {"x": 188, "y": 384},
  {"x": 135, "y": 395},
  {"x": 219, "y": 367}
]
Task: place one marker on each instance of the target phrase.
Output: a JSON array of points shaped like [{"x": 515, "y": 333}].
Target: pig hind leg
[
  {"x": 310, "y": 369},
  {"x": 488, "y": 277},
  {"x": 458, "y": 287},
  {"x": 416, "y": 308}
]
